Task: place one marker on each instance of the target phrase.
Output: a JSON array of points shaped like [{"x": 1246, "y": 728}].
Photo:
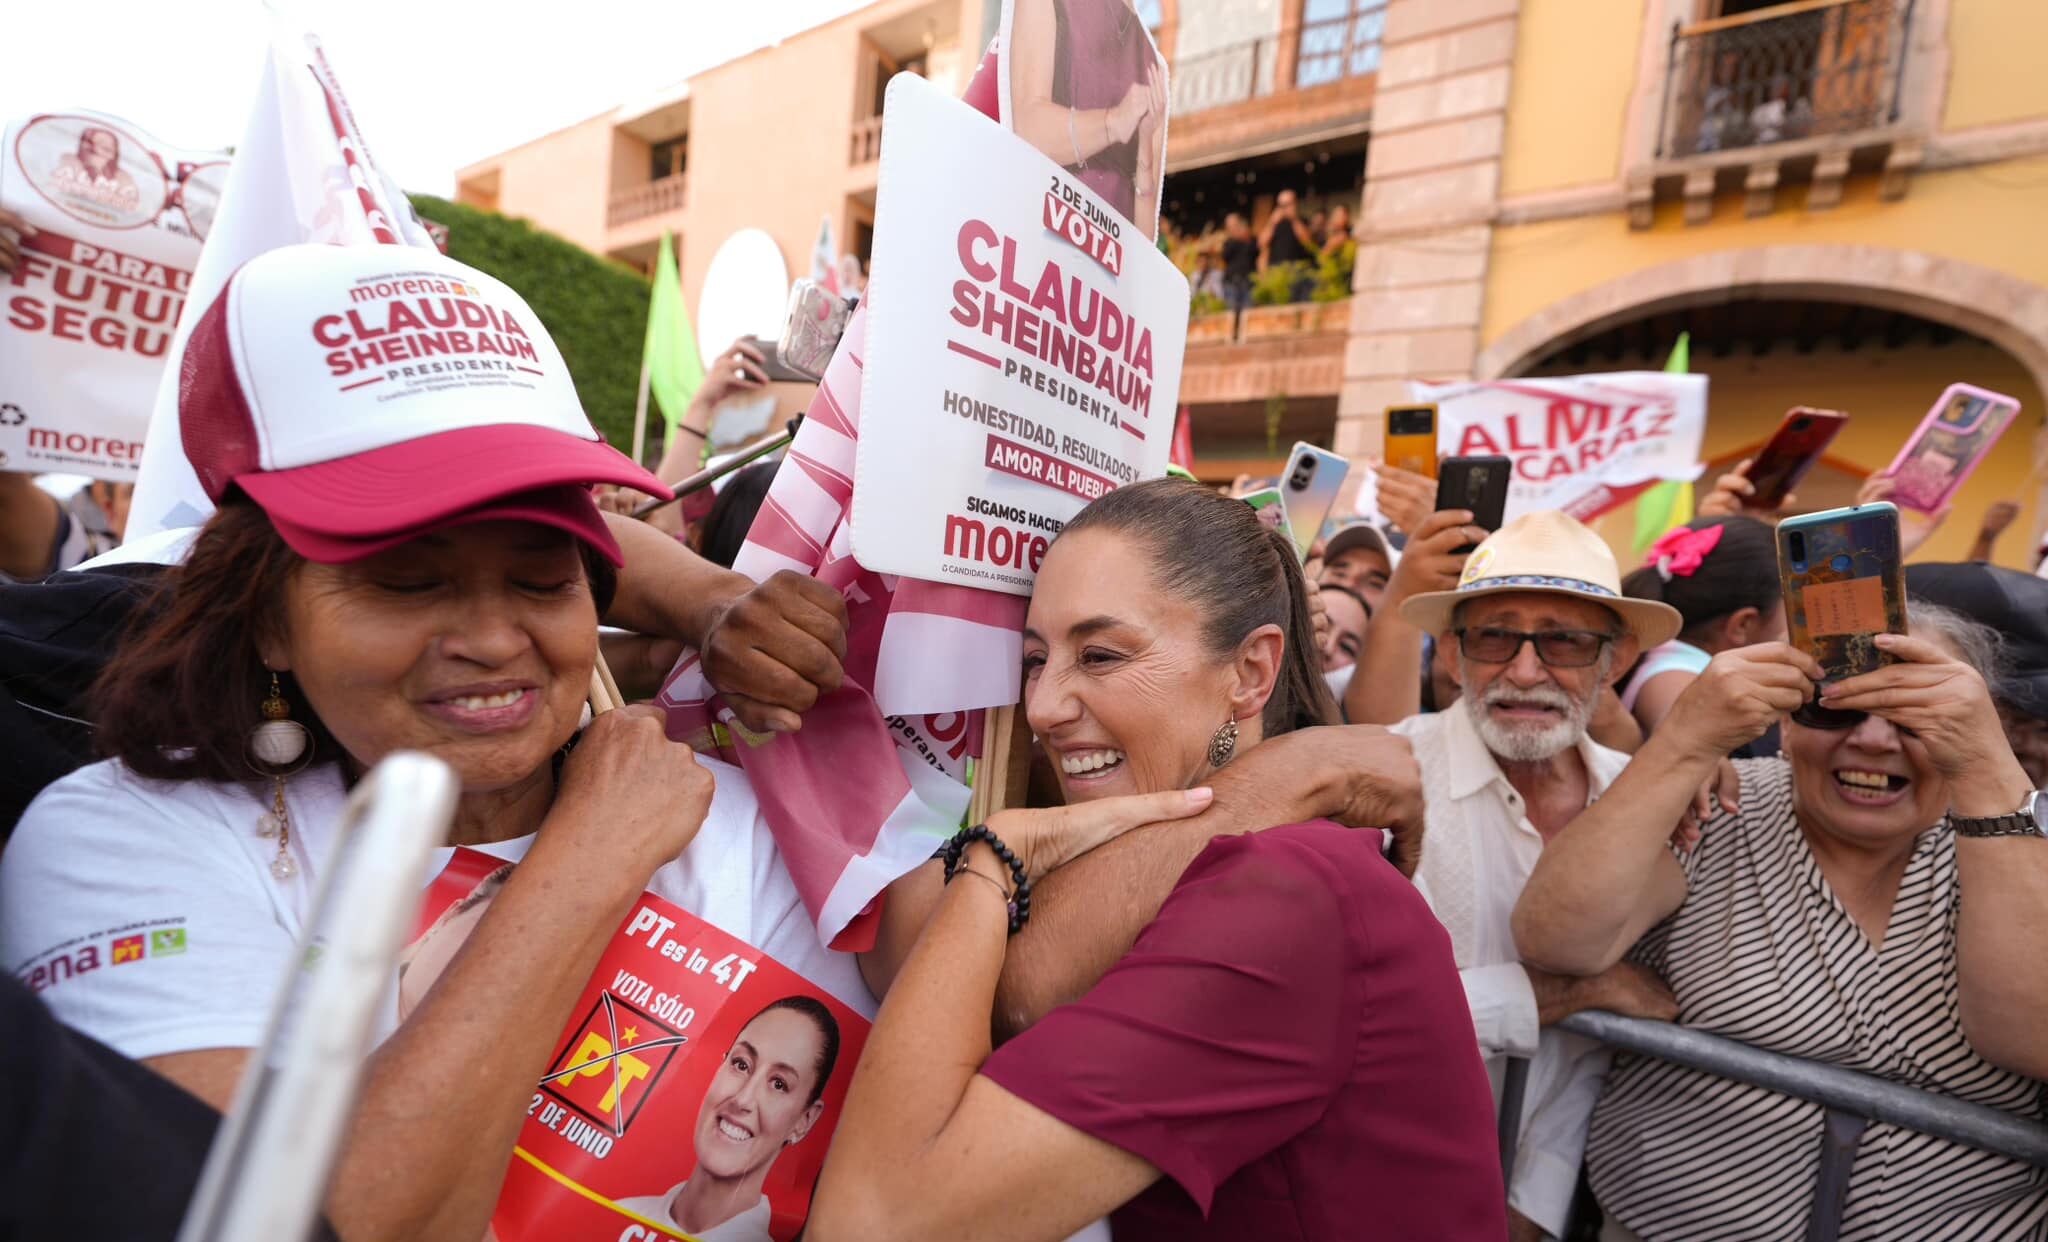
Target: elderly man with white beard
[{"x": 1539, "y": 627}]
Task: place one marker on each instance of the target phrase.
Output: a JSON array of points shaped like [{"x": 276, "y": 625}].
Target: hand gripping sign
[
  {"x": 1025, "y": 360},
  {"x": 118, "y": 219},
  {"x": 692, "y": 1095}
]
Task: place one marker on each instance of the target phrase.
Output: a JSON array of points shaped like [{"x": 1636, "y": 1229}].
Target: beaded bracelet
[{"x": 1020, "y": 902}]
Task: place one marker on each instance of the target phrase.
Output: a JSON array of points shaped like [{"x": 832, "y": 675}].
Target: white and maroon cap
[{"x": 365, "y": 394}]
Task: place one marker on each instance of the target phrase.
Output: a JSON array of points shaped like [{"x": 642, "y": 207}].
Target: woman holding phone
[{"x": 1873, "y": 903}]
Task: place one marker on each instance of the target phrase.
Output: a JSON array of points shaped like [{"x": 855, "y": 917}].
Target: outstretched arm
[
  {"x": 1088, "y": 914},
  {"x": 1610, "y": 875}
]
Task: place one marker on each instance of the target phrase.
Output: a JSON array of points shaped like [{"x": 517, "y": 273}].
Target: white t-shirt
[
  {"x": 749, "y": 1226},
  {"x": 144, "y": 912}
]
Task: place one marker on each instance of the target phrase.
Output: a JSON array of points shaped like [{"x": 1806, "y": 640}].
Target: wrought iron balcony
[{"x": 1794, "y": 71}]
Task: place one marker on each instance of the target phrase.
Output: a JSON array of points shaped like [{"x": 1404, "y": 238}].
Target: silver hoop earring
[{"x": 1223, "y": 744}]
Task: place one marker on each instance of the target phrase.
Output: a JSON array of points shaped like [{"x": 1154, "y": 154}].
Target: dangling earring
[
  {"x": 276, "y": 748},
  {"x": 1223, "y": 744}
]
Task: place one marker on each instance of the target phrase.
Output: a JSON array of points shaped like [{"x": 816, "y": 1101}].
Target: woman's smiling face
[
  {"x": 1119, "y": 685},
  {"x": 474, "y": 644}
]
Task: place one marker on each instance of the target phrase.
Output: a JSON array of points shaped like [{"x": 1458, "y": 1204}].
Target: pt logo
[
  {"x": 612, "y": 1063},
  {"x": 12, "y": 415},
  {"x": 168, "y": 941},
  {"x": 127, "y": 949}
]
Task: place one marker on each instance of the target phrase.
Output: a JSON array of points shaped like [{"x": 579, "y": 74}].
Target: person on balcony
[
  {"x": 1874, "y": 903},
  {"x": 1285, "y": 240}
]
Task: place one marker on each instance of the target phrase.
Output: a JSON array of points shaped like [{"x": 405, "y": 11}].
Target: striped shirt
[{"x": 1762, "y": 951}]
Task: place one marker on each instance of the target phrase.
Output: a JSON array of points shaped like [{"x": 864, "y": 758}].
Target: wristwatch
[{"x": 2031, "y": 820}]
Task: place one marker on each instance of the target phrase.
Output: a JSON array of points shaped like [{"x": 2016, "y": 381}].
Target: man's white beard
[{"x": 1530, "y": 742}]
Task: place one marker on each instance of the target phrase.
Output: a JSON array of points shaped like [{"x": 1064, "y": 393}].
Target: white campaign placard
[
  {"x": 1023, "y": 359},
  {"x": 1580, "y": 443},
  {"x": 89, "y": 310}
]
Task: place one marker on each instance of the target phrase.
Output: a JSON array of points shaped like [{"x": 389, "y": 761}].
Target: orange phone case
[{"x": 1412, "y": 452}]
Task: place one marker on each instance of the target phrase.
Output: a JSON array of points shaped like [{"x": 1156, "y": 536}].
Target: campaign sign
[
  {"x": 89, "y": 310},
  {"x": 693, "y": 1094},
  {"x": 1582, "y": 444},
  {"x": 1023, "y": 357}
]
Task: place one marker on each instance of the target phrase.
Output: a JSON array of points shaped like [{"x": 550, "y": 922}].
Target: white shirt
[
  {"x": 1478, "y": 850},
  {"x": 145, "y": 914},
  {"x": 749, "y": 1226}
]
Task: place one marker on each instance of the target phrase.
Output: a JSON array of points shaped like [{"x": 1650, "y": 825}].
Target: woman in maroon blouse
[{"x": 1286, "y": 1052}]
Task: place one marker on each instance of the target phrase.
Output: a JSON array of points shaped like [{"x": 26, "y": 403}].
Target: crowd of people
[
  {"x": 1329, "y": 848},
  {"x": 1226, "y": 263}
]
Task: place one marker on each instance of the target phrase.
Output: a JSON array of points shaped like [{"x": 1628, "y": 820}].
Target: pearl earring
[{"x": 275, "y": 747}]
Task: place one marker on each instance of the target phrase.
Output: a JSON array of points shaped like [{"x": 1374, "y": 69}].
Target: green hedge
[{"x": 595, "y": 310}]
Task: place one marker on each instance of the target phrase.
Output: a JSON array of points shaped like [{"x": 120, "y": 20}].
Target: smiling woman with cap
[{"x": 406, "y": 555}]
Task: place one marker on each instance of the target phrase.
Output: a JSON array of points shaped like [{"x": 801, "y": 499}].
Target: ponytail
[{"x": 1301, "y": 698}]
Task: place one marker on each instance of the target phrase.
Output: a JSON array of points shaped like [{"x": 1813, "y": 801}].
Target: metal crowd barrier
[{"x": 1852, "y": 1099}]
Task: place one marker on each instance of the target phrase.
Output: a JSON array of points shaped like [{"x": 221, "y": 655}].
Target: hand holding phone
[
  {"x": 1798, "y": 443},
  {"x": 1951, "y": 442},
  {"x": 1411, "y": 438},
  {"x": 1479, "y": 484},
  {"x": 1844, "y": 585}
]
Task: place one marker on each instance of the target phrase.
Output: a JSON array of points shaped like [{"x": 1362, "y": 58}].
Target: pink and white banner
[
  {"x": 876, "y": 779},
  {"x": 301, "y": 173},
  {"x": 1580, "y": 443}
]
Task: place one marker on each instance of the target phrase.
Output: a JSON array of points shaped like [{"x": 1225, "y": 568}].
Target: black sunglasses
[
  {"x": 1834, "y": 720},
  {"x": 1556, "y": 648}
]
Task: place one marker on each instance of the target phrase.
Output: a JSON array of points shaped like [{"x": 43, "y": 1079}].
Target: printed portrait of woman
[
  {"x": 422, "y": 961},
  {"x": 766, "y": 1096},
  {"x": 94, "y": 171},
  {"x": 1088, "y": 89}
]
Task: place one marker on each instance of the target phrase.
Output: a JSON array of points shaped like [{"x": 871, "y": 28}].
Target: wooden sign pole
[{"x": 1004, "y": 770}]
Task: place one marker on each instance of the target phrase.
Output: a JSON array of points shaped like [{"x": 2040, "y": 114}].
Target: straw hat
[{"x": 1551, "y": 554}]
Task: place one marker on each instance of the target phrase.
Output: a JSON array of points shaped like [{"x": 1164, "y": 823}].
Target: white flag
[{"x": 300, "y": 174}]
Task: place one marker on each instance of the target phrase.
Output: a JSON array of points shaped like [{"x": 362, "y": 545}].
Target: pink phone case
[{"x": 1948, "y": 446}]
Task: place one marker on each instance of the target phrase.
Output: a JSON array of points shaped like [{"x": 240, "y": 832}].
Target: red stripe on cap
[{"x": 214, "y": 421}]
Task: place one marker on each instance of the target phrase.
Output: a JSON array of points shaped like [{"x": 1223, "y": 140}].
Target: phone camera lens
[
  {"x": 1801, "y": 424},
  {"x": 1797, "y": 542}
]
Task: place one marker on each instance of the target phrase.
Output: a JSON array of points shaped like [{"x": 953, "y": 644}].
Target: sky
[{"x": 434, "y": 84}]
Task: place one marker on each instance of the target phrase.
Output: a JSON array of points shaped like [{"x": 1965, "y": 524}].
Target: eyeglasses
[
  {"x": 1556, "y": 648},
  {"x": 1834, "y": 720}
]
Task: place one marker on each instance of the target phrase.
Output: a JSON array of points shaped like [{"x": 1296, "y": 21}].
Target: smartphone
[
  {"x": 1476, "y": 483},
  {"x": 1308, "y": 489},
  {"x": 811, "y": 328},
  {"x": 773, "y": 366},
  {"x": 1950, "y": 443},
  {"x": 1266, "y": 503},
  {"x": 1411, "y": 438},
  {"x": 1793, "y": 449},
  {"x": 1844, "y": 585}
]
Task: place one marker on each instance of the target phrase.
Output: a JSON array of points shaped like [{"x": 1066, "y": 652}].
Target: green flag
[
  {"x": 1669, "y": 504},
  {"x": 674, "y": 370}
]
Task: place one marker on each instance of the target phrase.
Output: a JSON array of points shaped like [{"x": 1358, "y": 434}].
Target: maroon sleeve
[{"x": 1222, "y": 1034}]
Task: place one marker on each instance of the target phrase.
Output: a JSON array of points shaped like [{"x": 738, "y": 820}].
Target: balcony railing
[
  {"x": 865, "y": 146},
  {"x": 1307, "y": 55},
  {"x": 652, "y": 199},
  {"x": 1780, "y": 74}
]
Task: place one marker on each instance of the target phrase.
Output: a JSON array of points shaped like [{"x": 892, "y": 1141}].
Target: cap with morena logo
[{"x": 364, "y": 395}]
